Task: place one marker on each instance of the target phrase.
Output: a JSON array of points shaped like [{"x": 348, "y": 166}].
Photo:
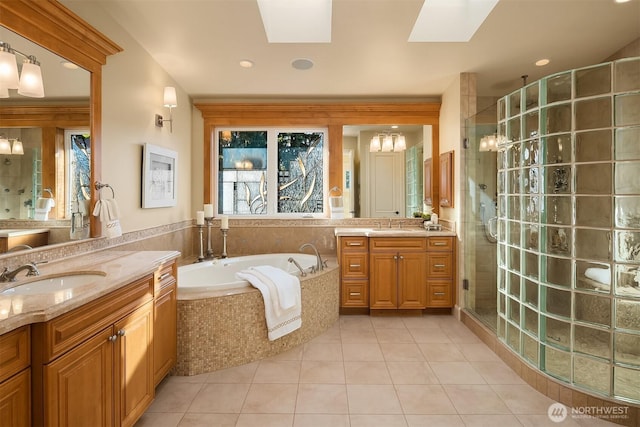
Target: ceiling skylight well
[
  {"x": 296, "y": 21},
  {"x": 450, "y": 20}
]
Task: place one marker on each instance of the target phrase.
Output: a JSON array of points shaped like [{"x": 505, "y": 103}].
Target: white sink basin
[{"x": 53, "y": 283}]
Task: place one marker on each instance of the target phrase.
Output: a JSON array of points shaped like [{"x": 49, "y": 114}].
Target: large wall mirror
[{"x": 53, "y": 181}]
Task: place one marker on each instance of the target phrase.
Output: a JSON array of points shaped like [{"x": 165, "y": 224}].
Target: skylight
[
  {"x": 296, "y": 21},
  {"x": 450, "y": 20}
]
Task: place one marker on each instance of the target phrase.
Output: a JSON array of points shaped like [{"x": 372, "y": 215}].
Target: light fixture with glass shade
[
  {"x": 388, "y": 142},
  {"x": 170, "y": 100},
  {"x": 6, "y": 146},
  {"x": 488, "y": 143},
  {"x": 28, "y": 81}
]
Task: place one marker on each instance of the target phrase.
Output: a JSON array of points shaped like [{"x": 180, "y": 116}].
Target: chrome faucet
[
  {"x": 319, "y": 262},
  {"x": 10, "y": 276},
  {"x": 302, "y": 273}
]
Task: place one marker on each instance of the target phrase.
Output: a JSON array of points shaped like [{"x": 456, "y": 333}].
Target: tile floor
[{"x": 363, "y": 372}]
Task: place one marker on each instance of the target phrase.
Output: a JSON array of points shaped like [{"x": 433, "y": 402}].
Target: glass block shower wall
[{"x": 569, "y": 226}]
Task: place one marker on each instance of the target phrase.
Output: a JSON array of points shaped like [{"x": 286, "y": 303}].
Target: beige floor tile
[
  {"x": 351, "y": 336},
  {"x": 366, "y": 373},
  {"x": 401, "y": 352},
  {"x": 202, "y": 378},
  {"x": 441, "y": 352},
  {"x": 424, "y": 399},
  {"x": 522, "y": 399},
  {"x": 490, "y": 420},
  {"x": 462, "y": 335},
  {"x": 159, "y": 419},
  {"x": 322, "y": 372},
  {"x": 593, "y": 422},
  {"x": 329, "y": 351},
  {"x": 265, "y": 420},
  {"x": 271, "y": 399},
  {"x": 278, "y": 371},
  {"x": 421, "y": 322},
  {"x": 475, "y": 399},
  {"x": 362, "y": 352},
  {"x": 388, "y": 322},
  {"x": 208, "y": 420},
  {"x": 355, "y": 323},
  {"x": 435, "y": 421},
  {"x": 497, "y": 373},
  {"x": 331, "y": 334},
  {"x": 394, "y": 335},
  {"x": 545, "y": 421},
  {"x": 321, "y": 420},
  {"x": 242, "y": 374},
  {"x": 430, "y": 336},
  {"x": 219, "y": 398},
  {"x": 477, "y": 352},
  {"x": 411, "y": 373},
  {"x": 322, "y": 399},
  {"x": 456, "y": 373},
  {"x": 174, "y": 396},
  {"x": 373, "y": 399},
  {"x": 292, "y": 354},
  {"x": 378, "y": 421}
]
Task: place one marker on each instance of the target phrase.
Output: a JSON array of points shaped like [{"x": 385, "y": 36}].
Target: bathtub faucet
[
  {"x": 319, "y": 262},
  {"x": 302, "y": 273}
]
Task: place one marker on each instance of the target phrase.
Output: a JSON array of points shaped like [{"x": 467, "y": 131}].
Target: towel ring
[
  {"x": 334, "y": 189},
  {"x": 100, "y": 186}
]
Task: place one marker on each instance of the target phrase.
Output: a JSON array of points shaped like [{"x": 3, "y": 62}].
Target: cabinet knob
[
  {"x": 121, "y": 332},
  {"x": 112, "y": 338},
  {"x": 401, "y": 257}
]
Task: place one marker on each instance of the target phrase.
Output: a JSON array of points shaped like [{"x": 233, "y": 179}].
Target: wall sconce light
[
  {"x": 7, "y": 148},
  {"x": 170, "y": 101},
  {"x": 387, "y": 142},
  {"x": 490, "y": 142},
  {"x": 28, "y": 82}
]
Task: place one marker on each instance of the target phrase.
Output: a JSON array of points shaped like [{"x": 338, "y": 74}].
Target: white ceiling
[{"x": 200, "y": 43}]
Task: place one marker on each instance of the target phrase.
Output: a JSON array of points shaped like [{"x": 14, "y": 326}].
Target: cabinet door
[
  {"x": 383, "y": 281},
  {"x": 412, "y": 280},
  {"x": 78, "y": 386},
  {"x": 15, "y": 400},
  {"x": 164, "y": 333},
  {"x": 134, "y": 364}
]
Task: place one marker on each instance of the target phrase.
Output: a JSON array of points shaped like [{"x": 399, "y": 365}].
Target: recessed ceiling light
[
  {"x": 69, "y": 65},
  {"x": 302, "y": 64},
  {"x": 542, "y": 62},
  {"x": 246, "y": 63}
]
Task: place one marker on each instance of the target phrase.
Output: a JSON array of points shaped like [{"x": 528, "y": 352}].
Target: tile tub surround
[{"x": 229, "y": 330}]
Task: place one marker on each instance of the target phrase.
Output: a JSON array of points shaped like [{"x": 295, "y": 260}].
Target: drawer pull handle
[
  {"x": 164, "y": 276},
  {"x": 354, "y": 265},
  {"x": 355, "y": 243},
  {"x": 354, "y": 294},
  {"x": 438, "y": 265},
  {"x": 439, "y": 243},
  {"x": 439, "y": 293},
  {"x": 112, "y": 338}
]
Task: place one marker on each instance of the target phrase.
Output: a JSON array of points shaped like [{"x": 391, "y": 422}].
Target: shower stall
[{"x": 568, "y": 227}]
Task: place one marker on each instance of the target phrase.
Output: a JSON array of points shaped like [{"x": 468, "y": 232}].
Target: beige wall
[{"x": 132, "y": 94}]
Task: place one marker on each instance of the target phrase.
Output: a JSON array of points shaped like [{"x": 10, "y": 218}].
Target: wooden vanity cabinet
[
  {"x": 15, "y": 378},
  {"x": 94, "y": 365},
  {"x": 397, "y": 273},
  {"x": 354, "y": 271},
  {"x": 440, "y": 272},
  {"x": 165, "y": 320}
]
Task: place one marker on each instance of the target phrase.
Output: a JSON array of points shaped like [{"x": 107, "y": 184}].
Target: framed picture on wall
[{"x": 159, "y": 178}]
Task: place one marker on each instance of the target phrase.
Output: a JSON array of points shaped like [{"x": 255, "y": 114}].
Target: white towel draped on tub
[{"x": 282, "y": 298}]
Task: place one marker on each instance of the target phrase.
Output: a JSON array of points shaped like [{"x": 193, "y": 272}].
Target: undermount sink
[{"x": 53, "y": 283}]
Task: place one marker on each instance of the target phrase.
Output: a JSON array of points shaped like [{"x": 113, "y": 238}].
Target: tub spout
[
  {"x": 302, "y": 273},
  {"x": 319, "y": 261}
]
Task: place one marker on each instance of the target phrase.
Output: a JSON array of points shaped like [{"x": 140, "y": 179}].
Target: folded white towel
[
  {"x": 45, "y": 203},
  {"x": 113, "y": 209},
  {"x": 600, "y": 275},
  {"x": 41, "y": 214},
  {"x": 279, "y": 289}
]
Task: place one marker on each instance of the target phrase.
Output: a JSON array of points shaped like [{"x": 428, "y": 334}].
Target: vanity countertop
[
  {"x": 118, "y": 269},
  {"x": 391, "y": 232}
]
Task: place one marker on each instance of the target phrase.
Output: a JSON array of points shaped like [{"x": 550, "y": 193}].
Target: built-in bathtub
[{"x": 221, "y": 321}]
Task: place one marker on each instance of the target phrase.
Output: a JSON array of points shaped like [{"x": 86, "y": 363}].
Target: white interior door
[{"x": 386, "y": 185}]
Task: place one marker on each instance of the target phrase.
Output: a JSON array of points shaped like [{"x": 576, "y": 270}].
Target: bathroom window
[{"x": 271, "y": 171}]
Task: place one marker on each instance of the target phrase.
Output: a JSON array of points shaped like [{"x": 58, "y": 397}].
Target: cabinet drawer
[
  {"x": 398, "y": 243},
  {"x": 439, "y": 294},
  {"x": 354, "y": 243},
  {"x": 70, "y": 329},
  {"x": 440, "y": 265},
  {"x": 355, "y": 265},
  {"x": 165, "y": 278},
  {"x": 440, "y": 243},
  {"x": 14, "y": 352},
  {"x": 355, "y": 294}
]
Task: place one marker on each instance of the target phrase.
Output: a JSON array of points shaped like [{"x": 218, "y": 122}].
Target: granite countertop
[
  {"x": 391, "y": 232},
  {"x": 111, "y": 270}
]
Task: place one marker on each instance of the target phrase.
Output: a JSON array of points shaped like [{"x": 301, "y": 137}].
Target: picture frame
[{"x": 159, "y": 177}]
